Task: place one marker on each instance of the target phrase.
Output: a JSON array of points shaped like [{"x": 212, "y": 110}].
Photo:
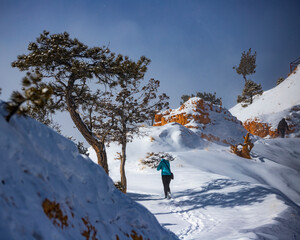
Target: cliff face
[{"x": 210, "y": 121}]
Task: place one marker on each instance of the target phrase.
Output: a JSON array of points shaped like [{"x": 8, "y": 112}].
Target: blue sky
[{"x": 193, "y": 44}]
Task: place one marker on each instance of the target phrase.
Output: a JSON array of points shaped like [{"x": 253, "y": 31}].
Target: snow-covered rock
[
  {"x": 209, "y": 121},
  {"x": 263, "y": 115},
  {"x": 49, "y": 191}
]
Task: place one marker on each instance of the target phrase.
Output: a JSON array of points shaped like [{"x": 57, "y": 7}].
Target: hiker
[
  {"x": 282, "y": 127},
  {"x": 166, "y": 176}
]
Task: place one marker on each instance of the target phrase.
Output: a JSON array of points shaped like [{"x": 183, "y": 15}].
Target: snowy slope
[
  {"x": 216, "y": 195},
  {"x": 49, "y": 191},
  {"x": 274, "y": 104}
]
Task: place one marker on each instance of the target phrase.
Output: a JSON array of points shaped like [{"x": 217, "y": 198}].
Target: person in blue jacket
[{"x": 164, "y": 166}]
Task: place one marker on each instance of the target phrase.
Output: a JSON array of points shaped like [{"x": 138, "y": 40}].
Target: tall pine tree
[
  {"x": 247, "y": 67},
  {"x": 247, "y": 64},
  {"x": 70, "y": 67}
]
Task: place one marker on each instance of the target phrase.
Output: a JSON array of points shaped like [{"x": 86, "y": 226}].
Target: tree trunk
[
  {"x": 122, "y": 168},
  {"x": 86, "y": 133},
  {"x": 101, "y": 156}
]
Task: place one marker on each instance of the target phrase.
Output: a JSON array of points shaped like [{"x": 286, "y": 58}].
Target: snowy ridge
[
  {"x": 274, "y": 104},
  {"x": 49, "y": 191}
]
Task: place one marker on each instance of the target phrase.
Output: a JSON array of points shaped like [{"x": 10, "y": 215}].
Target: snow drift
[{"x": 49, "y": 191}]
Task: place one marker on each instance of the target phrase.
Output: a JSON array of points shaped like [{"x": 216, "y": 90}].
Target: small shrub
[{"x": 152, "y": 159}]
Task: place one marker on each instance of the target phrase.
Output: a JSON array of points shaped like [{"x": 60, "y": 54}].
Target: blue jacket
[{"x": 163, "y": 166}]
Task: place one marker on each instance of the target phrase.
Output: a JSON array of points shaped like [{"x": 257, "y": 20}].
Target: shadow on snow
[
  {"x": 218, "y": 193},
  {"x": 222, "y": 193},
  {"x": 143, "y": 197}
]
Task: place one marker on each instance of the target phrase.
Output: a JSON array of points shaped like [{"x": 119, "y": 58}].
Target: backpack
[{"x": 172, "y": 175}]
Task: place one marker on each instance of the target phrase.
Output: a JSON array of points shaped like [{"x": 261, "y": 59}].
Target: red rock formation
[
  {"x": 258, "y": 128},
  {"x": 212, "y": 122},
  {"x": 200, "y": 114}
]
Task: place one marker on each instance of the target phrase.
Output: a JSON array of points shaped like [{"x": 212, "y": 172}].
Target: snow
[
  {"x": 274, "y": 104},
  {"x": 216, "y": 194},
  {"x": 38, "y": 164}
]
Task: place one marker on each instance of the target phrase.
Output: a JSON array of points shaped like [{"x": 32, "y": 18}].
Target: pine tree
[
  {"x": 247, "y": 64},
  {"x": 247, "y": 67},
  {"x": 209, "y": 97},
  {"x": 185, "y": 98},
  {"x": 68, "y": 66},
  {"x": 250, "y": 90},
  {"x": 131, "y": 102},
  {"x": 36, "y": 93}
]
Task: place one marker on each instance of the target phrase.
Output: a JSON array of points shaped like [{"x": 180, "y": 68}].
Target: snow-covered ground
[{"x": 215, "y": 194}]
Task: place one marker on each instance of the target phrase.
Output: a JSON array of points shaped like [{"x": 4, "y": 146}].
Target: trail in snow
[
  {"x": 221, "y": 207},
  {"x": 194, "y": 223},
  {"x": 197, "y": 221}
]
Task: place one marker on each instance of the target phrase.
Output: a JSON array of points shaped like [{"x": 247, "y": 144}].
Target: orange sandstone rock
[
  {"x": 246, "y": 147},
  {"x": 200, "y": 116},
  {"x": 260, "y": 129}
]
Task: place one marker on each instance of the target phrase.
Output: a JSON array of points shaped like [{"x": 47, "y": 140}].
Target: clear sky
[{"x": 193, "y": 44}]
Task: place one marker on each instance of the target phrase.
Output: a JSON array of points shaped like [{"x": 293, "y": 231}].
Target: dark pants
[
  {"x": 166, "y": 179},
  {"x": 282, "y": 133}
]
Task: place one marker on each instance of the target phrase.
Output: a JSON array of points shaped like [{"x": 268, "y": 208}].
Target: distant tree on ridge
[
  {"x": 209, "y": 97},
  {"x": 247, "y": 67},
  {"x": 247, "y": 64}
]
